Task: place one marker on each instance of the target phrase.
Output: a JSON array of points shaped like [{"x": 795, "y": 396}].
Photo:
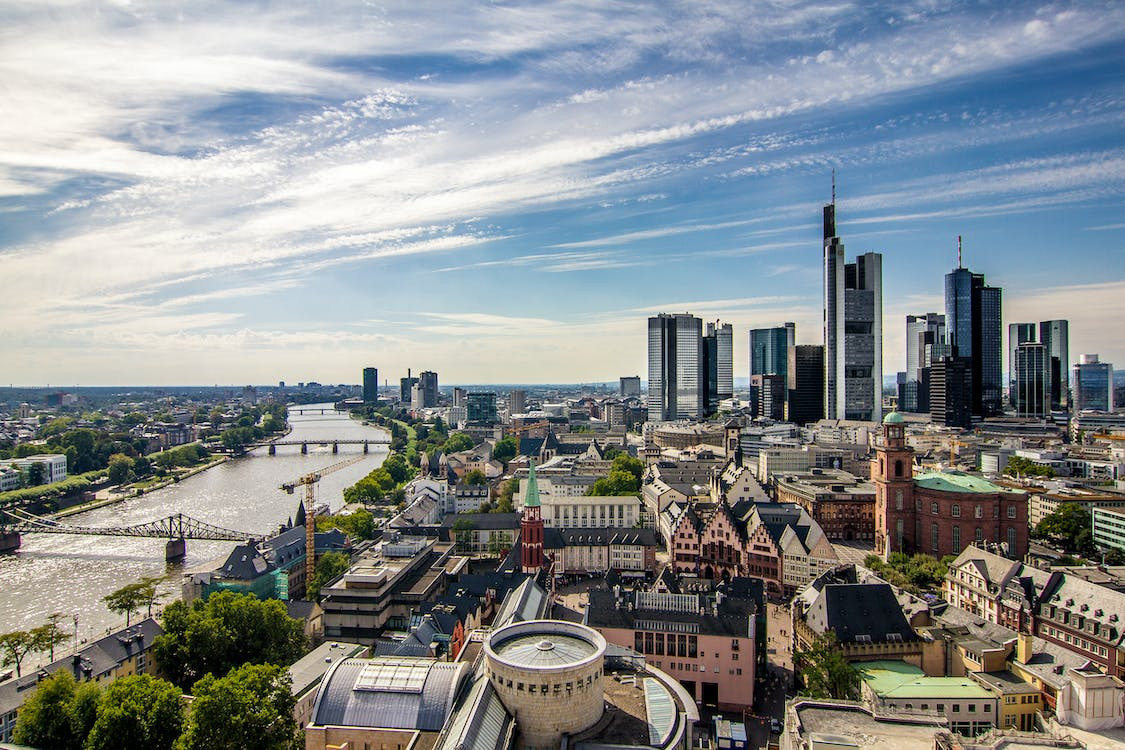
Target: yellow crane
[{"x": 309, "y": 482}]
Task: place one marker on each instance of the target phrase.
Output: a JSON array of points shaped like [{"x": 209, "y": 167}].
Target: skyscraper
[
  {"x": 1093, "y": 384},
  {"x": 772, "y": 353},
  {"x": 481, "y": 407},
  {"x": 517, "y": 402},
  {"x": 806, "y": 400},
  {"x": 370, "y": 385},
  {"x": 405, "y": 385},
  {"x": 951, "y": 390},
  {"x": 1055, "y": 335},
  {"x": 1018, "y": 333},
  {"x": 853, "y": 329},
  {"x": 630, "y": 386},
  {"x": 428, "y": 381},
  {"x": 676, "y": 372},
  {"x": 922, "y": 332},
  {"x": 972, "y": 317},
  {"x": 1033, "y": 380}
]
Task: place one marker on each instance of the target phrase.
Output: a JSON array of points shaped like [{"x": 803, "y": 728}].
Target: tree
[
  {"x": 58, "y": 714},
  {"x": 329, "y": 566},
  {"x": 475, "y": 477},
  {"x": 223, "y": 632},
  {"x": 149, "y": 588},
  {"x": 250, "y": 707},
  {"x": 138, "y": 711},
  {"x": 505, "y": 450},
  {"x": 126, "y": 600},
  {"x": 463, "y": 535},
  {"x": 14, "y": 646},
  {"x": 457, "y": 442},
  {"x": 1072, "y": 525},
  {"x": 1018, "y": 466},
  {"x": 47, "y": 636},
  {"x": 624, "y": 477},
  {"x": 120, "y": 467},
  {"x": 35, "y": 474},
  {"x": 358, "y": 525},
  {"x": 825, "y": 672}
]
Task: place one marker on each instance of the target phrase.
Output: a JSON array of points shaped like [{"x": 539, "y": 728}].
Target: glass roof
[{"x": 394, "y": 676}]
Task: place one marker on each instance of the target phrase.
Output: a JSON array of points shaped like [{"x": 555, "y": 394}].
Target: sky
[{"x": 228, "y": 193}]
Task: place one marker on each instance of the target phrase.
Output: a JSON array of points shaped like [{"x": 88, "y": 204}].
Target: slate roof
[
  {"x": 480, "y": 723},
  {"x": 554, "y": 538},
  {"x": 863, "y": 609},
  {"x": 528, "y": 601},
  {"x": 731, "y": 620},
  {"x": 340, "y": 703}
]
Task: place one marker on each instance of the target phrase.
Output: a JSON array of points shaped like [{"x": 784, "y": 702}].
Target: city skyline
[{"x": 230, "y": 193}]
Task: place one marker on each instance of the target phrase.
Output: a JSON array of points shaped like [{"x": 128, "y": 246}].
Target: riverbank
[{"x": 116, "y": 494}]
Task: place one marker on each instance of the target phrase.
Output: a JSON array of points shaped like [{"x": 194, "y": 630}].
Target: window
[
  {"x": 941, "y": 707},
  {"x": 898, "y": 468},
  {"x": 898, "y": 499},
  {"x": 956, "y": 537},
  {"x": 1011, "y": 540},
  {"x": 1011, "y": 511},
  {"x": 956, "y": 708},
  {"x": 956, "y": 510},
  {"x": 979, "y": 535},
  {"x": 933, "y": 509},
  {"x": 988, "y": 708},
  {"x": 934, "y": 536},
  {"x": 972, "y": 708},
  {"x": 977, "y": 513}
]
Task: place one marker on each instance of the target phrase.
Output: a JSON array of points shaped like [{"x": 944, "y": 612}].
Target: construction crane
[{"x": 309, "y": 482}]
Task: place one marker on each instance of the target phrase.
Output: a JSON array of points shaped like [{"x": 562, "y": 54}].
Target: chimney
[{"x": 1023, "y": 647}]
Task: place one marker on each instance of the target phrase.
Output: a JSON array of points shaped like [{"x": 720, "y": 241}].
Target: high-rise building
[
  {"x": 1055, "y": 335},
  {"x": 951, "y": 392},
  {"x": 922, "y": 333},
  {"x": 428, "y": 381},
  {"x": 767, "y": 396},
  {"x": 417, "y": 397},
  {"x": 853, "y": 329},
  {"x": 772, "y": 352},
  {"x": 517, "y": 402},
  {"x": 718, "y": 363},
  {"x": 1033, "y": 380},
  {"x": 806, "y": 400},
  {"x": 370, "y": 385},
  {"x": 404, "y": 386},
  {"x": 972, "y": 318},
  {"x": 631, "y": 386},
  {"x": 675, "y": 367},
  {"x": 1018, "y": 333},
  {"x": 1093, "y": 384},
  {"x": 459, "y": 397},
  {"x": 481, "y": 407}
]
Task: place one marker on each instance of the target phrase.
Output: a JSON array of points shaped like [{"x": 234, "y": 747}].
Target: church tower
[
  {"x": 531, "y": 527},
  {"x": 892, "y": 472}
]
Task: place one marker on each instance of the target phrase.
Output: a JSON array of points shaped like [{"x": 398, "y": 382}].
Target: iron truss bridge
[{"x": 177, "y": 526}]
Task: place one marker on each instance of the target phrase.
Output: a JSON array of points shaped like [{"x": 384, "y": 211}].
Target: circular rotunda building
[{"x": 548, "y": 674}]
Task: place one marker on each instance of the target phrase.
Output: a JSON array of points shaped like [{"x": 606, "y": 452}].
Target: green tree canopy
[
  {"x": 475, "y": 477},
  {"x": 58, "y": 714},
  {"x": 458, "y": 441},
  {"x": 1018, "y": 466},
  {"x": 329, "y": 566},
  {"x": 120, "y": 467},
  {"x": 48, "y": 635},
  {"x": 138, "y": 712},
  {"x": 252, "y": 706},
  {"x": 506, "y": 449},
  {"x": 1071, "y": 525},
  {"x": 358, "y": 525},
  {"x": 223, "y": 632},
  {"x": 14, "y": 646},
  {"x": 127, "y": 600},
  {"x": 624, "y": 477},
  {"x": 824, "y": 671}
]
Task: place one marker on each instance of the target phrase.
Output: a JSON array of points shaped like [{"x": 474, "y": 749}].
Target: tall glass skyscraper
[
  {"x": 718, "y": 357},
  {"x": 853, "y": 330},
  {"x": 1093, "y": 384},
  {"x": 972, "y": 318},
  {"x": 772, "y": 352},
  {"x": 1033, "y": 380},
  {"x": 922, "y": 333},
  {"x": 676, "y": 372},
  {"x": 1055, "y": 335},
  {"x": 1018, "y": 333},
  {"x": 370, "y": 385}
]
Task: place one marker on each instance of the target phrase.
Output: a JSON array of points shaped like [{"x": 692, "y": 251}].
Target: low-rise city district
[{"x": 827, "y": 559}]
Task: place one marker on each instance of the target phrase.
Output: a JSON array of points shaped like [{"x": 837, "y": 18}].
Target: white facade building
[{"x": 54, "y": 465}]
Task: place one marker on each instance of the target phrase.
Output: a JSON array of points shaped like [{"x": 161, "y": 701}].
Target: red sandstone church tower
[
  {"x": 531, "y": 527},
  {"x": 893, "y": 475}
]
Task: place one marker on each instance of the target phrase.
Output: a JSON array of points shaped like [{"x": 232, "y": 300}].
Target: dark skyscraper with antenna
[{"x": 972, "y": 319}]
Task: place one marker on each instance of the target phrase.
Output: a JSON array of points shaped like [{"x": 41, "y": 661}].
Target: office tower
[
  {"x": 767, "y": 396},
  {"x": 951, "y": 392},
  {"x": 481, "y": 407},
  {"x": 417, "y": 397},
  {"x": 631, "y": 387},
  {"x": 404, "y": 386},
  {"x": 517, "y": 402},
  {"x": 1033, "y": 380},
  {"x": 806, "y": 400},
  {"x": 370, "y": 385},
  {"x": 675, "y": 367},
  {"x": 428, "y": 381},
  {"x": 853, "y": 329},
  {"x": 1093, "y": 384},
  {"x": 458, "y": 397},
  {"x": 1055, "y": 335},
  {"x": 922, "y": 333},
  {"x": 718, "y": 353},
  {"x": 1018, "y": 333},
  {"x": 972, "y": 318}
]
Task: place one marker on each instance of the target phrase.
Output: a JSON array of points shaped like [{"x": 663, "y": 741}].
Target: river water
[{"x": 70, "y": 574}]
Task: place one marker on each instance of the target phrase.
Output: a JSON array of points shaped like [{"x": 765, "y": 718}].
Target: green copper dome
[{"x": 894, "y": 418}]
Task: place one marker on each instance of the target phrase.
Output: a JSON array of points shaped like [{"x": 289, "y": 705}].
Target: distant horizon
[{"x": 224, "y": 191}]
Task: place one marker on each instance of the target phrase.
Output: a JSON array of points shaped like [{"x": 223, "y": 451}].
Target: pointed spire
[
  {"x": 531, "y": 497},
  {"x": 301, "y": 518},
  {"x": 959, "y": 252}
]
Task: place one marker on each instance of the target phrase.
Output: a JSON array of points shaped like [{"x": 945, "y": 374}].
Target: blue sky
[{"x": 502, "y": 192}]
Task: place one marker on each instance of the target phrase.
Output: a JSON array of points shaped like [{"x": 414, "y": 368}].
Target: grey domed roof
[{"x": 545, "y": 649}]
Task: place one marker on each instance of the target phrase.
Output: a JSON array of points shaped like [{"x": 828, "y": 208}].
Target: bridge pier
[
  {"x": 175, "y": 550},
  {"x": 273, "y": 449},
  {"x": 9, "y": 541},
  {"x": 365, "y": 450},
  {"x": 304, "y": 448},
  {"x": 335, "y": 448}
]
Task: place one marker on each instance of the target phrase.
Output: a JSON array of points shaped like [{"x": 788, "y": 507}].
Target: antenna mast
[
  {"x": 833, "y": 186},
  {"x": 959, "y": 252}
]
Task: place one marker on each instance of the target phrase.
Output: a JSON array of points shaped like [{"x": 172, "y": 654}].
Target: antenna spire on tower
[
  {"x": 833, "y": 186},
  {"x": 959, "y": 252}
]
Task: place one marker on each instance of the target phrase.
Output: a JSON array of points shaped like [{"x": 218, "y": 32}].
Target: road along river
[{"x": 71, "y": 574}]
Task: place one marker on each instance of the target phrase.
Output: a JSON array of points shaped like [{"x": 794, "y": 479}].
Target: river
[{"x": 70, "y": 574}]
